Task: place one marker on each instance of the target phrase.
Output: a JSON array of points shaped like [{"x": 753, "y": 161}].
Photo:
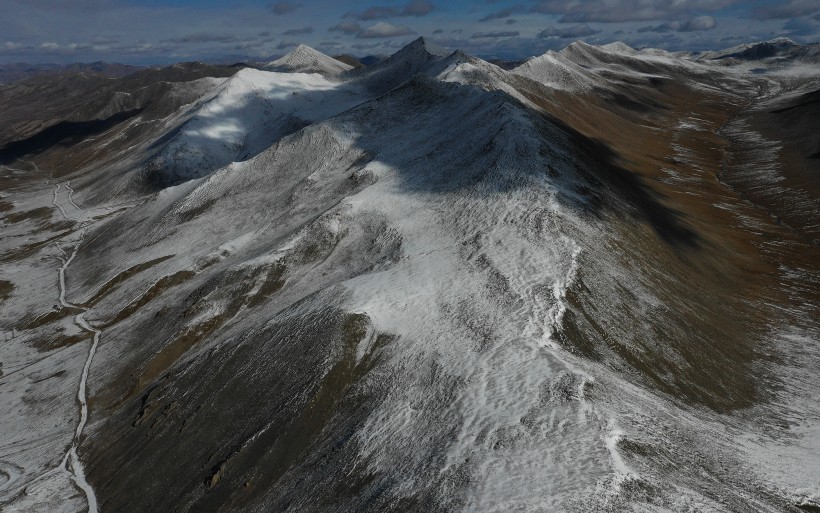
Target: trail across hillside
[{"x": 71, "y": 462}]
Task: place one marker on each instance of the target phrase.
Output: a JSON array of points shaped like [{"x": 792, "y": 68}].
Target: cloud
[
  {"x": 10, "y": 45},
  {"x": 696, "y": 24},
  {"x": 346, "y": 27},
  {"x": 286, "y": 44},
  {"x": 438, "y": 31},
  {"x": 417, "y": 8},
  {"x": 204, "y": 37},
  {"x": 298, "y": 31},
  {"x": 366, "y": 46},
  {"x": 790, "y": 9},
  {"x": 379, "y": 12},
  {"x": 49, "y": 46},
  {"x": 104, "y": 40},
  {"x": 383, "y": 29},
  {"x": 494, "y": 35},
  {"x": 280, "y": 8},
  {"x": 567, "y": 32},
  {"x": 609, "y": 11},
  {"x": 498, "y": 15},
  {"x": 801, "y": 27},
  {"x": 692, "y": 25},
  {"x": 511, "y": 21},
  {"x": 373, "y": 13},
  {"x": 79, "y": 46}
]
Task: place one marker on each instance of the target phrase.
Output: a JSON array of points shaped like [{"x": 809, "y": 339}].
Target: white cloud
[{"x": 384, "y": 29}]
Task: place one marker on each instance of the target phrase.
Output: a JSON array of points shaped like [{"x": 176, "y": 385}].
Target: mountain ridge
[{"x": 426, "y": 284}]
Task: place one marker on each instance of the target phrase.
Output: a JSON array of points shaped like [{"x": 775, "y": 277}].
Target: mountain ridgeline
[{"x": 428, "y": 283}]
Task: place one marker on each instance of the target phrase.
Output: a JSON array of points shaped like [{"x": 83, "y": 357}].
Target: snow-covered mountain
[
  {"x": 554, "y": 70},
  {"x": 304, "y": 59},
  {"x": 430, "y": 284}
]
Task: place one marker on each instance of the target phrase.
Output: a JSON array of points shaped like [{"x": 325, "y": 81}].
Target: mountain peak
[
  {"x": 619, "y": 46},
  {"x": 304, "y": 59},
  {"x": 781, "y": 41},
  {"x": 304, "y": 49},
  {"x": 424, "y": 45}
]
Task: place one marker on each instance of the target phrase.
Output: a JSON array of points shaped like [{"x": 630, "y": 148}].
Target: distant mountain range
[{"x": 21, "y": 71}]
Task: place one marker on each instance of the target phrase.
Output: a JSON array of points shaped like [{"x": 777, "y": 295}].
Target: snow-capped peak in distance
[
  {"x": 785, "y": 41},
  {"x": 619, "y": 46},
  {"x": 556, "y": 71},
  {"x": 304, "y": 59}
]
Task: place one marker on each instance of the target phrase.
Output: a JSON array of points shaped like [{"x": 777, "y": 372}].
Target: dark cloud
[
  {"x": 511, "y": 21},
  {"x": 373, "y": 13},
  {"x": 696, "y": 24},
  {"x": 456, "y": 31},
  {"x": 438, "y": 31},
  {"x": 609, "y": 11},
  {"x": 692, "y": 25},
  {"x": 384, "y": 29},
  {"x": 567, "y": 32},
  {"x": 379, "y": 12},
  {"x": 418, "y": 8},
  {"x": 801, "y": 27},
  {"x": 263, "y": 34},
  {"x": 104, "y": 40},
  {"x": 494, "y": 35},
  {"x": 286, "y": 44},
  {"x": 346, "y": 27},
  {"x": 298, "y": 31},
  {"x": 204, "y": 37},
  {"x": 790, "y": 9},
  {"x": 498, "y": 15},
  {"x": 280, "y": 8},
  {"x": 367, "y": 46},
  {"x": 249, "y": 45}
]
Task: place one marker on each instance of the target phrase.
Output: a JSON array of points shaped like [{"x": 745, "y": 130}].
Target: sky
[{"x": 166, "y": 31}]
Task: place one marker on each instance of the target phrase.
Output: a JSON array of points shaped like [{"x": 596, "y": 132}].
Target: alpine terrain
[{"x": 587, "y": 283}]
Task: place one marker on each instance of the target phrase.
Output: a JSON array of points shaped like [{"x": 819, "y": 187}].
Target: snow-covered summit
[
  {"x": 556, "y": 71},
  {"x": 304, "y": 59},
  {"x": 619, "y": 46}
]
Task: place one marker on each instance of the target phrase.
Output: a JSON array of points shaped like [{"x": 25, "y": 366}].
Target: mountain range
[{"x": 429, "y": 283}]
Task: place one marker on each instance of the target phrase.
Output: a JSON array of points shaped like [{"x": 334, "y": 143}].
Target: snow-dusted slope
[
  {"x": 242, "y": 117},
  {"x": 453, "y": 239},
  {"x": 417, "y": 57},
  {"x": 304, "y": 59},
  {"x": 431, "y": 285},
  {"x": 619, "y": 46},
  {"x": 553, "y": 70}
]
